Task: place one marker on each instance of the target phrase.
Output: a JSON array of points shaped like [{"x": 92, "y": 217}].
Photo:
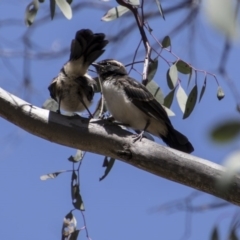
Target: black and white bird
[
  {"x": 73, "y": 88},
  {"x": 132, "y": 104}
]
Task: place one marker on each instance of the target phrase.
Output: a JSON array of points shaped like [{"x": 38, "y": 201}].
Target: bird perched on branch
[
  {"x": 73, "y": 88},
  {"x": 132, "y": 104}
]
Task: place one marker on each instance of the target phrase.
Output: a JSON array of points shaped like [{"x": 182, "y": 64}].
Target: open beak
[{"x": 96, "y": 65}]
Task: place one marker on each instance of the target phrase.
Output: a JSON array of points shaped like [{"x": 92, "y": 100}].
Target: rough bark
[{"x": 105, "y": 138}]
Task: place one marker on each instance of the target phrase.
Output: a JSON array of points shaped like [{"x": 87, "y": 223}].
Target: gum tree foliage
[{"x": 151, "y": 51}]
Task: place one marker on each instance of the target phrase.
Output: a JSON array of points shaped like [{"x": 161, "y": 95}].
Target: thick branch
[{"x": 105, "y": 138}]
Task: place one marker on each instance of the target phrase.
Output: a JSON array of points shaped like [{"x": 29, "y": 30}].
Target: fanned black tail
[
  {"x": 177, "y": 140},
  {"x": 88, "y": 45}
]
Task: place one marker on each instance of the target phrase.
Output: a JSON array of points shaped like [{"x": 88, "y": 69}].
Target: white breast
[{"x": 122, "y": 109}]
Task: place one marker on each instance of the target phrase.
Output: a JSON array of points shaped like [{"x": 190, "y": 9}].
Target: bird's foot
[{"x": 138, "y": 137}]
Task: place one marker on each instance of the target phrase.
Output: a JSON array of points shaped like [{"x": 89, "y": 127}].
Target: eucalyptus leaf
[
  {"x": 108, "y": 164},
  {"x": 220, "y": 93},
  {"x": 51, "y": 175},
  {"x": 203, "y": 88},
  {"x": 155, "y": 90},
  {"x": 169, "y": 112},
  {"x": 226, "y": 131},
  {"x": 160, "y": 8},
  {"x": 166, "y": 42},
  {"x": 114, "y": 13},
  {"x": 152, "y": 68},
  {"x": 65, "y": 8},
  {"x": 181, "y": 98},
  {"x": 191, "y": 102},
  {"x": 31, "y": 12},
  {"x": 78, "y": 156},
  {"x": 183, "y": 67},
  {"x": 169, "y": 98},
  {"x": 173, "y": 76},
  {"x": 52, "y": 8}
]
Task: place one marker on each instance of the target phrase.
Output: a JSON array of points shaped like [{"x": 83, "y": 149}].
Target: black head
[{"x": 110, "y": 67}]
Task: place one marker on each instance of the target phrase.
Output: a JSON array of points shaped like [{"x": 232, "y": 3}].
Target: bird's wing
[
  {"x": 86, "y": 85},
  {"x": 53, "y": 89},
  {"x": 144, "y": 100}
]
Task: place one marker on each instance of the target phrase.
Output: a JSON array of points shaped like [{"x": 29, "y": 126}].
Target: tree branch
[{"x": 105, "y": 138}]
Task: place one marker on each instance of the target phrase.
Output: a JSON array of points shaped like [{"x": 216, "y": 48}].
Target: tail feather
[
  {"x": 87, "y": 44},
  {"x": 177, "y": 140}
]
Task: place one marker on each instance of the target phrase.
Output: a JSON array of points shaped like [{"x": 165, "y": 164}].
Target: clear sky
[{"x": 124, "y": 205}]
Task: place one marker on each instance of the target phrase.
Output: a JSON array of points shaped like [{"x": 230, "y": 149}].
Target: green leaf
[
  {"x": 183, "y": 67},
  {"x": 75, "y": 192},
  {"x": 152, "y": 68},
  {"x": 114, "y": 13},
  {"x": 169, "y": 112},
  {"x": 78, "y": 156},
  {"x": 51, "y": 175},
  {"x": 155, "y": 90},
  {"x": 191, "y": 102},
  {"x": 108, "y": 164},
  {"x": 166, "y": 42},
  {"x": 203, "y": 88},
  {"x": 226, "y": 131},
  {"x": 65, "y": 8},
  {"x": 74, "y": 235},
  {"x": 52, "y": 8},
  {"x": 160, "y": 8},
  {"x": 220, "y": 93},
  {"x": 181, "y": 98},
  {"x": 190, "y": 77},
  {"x": 69, "y": 227},
  {"x": 172, "y": 76},
  {"x": 214, "y": 235},
  {"x": 169, "y": 98},
  {"x": 31, "y": 12}
]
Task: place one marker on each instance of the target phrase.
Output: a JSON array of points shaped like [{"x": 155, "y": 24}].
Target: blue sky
[{"x": 123, "y": 206}]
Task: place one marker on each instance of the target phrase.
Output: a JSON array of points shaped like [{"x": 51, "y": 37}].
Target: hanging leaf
[
  {"x": 181, "y": 98},
  {"x": 152, "y": 68},
  {"x": 155, "y": 90},
  {"x": 52, "y": 8},
  {"x": 166, "y": 42},
  {"x": 183, "y": 67},
  {"x": 51, "y": 175},
  {"x": 50, "y": 104},
  {"x": 172, "y": 76},
  {"x": 78, "y": 156},
  {"x": 114, "y": 13},
  {"x": 228, "y": 25},
  {"x": 220, "y": 93},
  {"x": 74, "y": 235},
  {"x": 191, "y": 102},
  {"x": 134, "y": 2},
  {"x": 69, "y": 226},
  {"x": 190, "y": 77},
  {"x": 75, "y": 192},
  {"x": 31, "y": 12},
  {"x": 169, "y": 98},
  {"x": 215, "y": 235},
  {"x": 203, "y": 88},
  {"x": 108, "y": 164},
  {"x": 226, "y": 131},
  {"x": 160, "y": 8},
  {"x": 65, "y": 8},
  {"x": 169, "y": 112}
]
